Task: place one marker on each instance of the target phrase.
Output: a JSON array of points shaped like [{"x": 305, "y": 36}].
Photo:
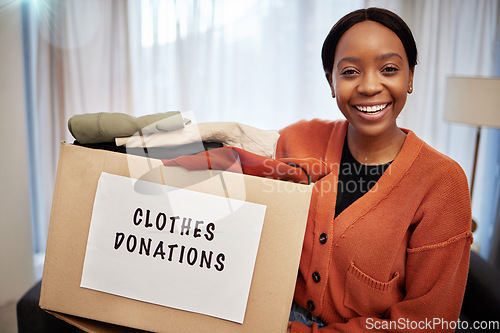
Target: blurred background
[{"x": 256, "y": 62}]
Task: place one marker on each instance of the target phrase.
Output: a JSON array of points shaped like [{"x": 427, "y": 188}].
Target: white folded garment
[{"x": 252, "y": 139}]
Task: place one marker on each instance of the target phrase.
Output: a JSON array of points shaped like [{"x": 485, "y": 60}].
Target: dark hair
[{"x": 379, "y": 15}]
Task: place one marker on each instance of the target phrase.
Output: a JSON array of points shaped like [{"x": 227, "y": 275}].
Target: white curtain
[
  {"x": 255, "y": 61},
  {"x": 76, "y": 62}
]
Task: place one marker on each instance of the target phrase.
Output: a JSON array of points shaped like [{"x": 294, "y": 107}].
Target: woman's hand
[{"x": 289, "y": 327}]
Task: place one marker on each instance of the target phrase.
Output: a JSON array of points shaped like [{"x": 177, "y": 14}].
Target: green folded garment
[{"x": 106, "y": 126}]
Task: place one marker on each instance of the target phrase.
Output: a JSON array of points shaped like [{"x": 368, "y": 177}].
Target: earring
[{"x": 410, "y": 90}]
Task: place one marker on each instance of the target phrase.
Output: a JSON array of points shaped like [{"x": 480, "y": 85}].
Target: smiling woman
[
  {"x": 269, "y": 77},
  {"x": 371, "y": 89},
  {"x": 388, "y": 236}
]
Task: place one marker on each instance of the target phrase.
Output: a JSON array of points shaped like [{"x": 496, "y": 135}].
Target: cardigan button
[
  {"x": 323, "y": 238},
  {"x": 310, "y": 305},
  {"x": 316, "y": 277}
]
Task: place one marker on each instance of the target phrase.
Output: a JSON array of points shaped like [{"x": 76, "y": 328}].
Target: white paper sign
[{"x": 177, "y": 248}]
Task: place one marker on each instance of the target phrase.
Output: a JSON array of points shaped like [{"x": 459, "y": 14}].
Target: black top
[{"x": 355, "y": 179}]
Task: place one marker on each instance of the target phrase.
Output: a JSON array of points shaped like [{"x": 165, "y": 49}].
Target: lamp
[{"x": 473, "y": 101}]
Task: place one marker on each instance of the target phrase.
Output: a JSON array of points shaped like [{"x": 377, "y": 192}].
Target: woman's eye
[
  {"x": 348, "y": 72},
  {"x": 390, "y": 69}
]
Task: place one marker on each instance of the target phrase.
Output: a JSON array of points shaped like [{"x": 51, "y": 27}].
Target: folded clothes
[
  {"x": 106, "y": 126},
  {"x": 299, "y": 170},
  {"x": 231, "y": 134}
]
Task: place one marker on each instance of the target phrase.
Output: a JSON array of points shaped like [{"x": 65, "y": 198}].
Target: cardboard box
[{"x": 276, "y": 266}]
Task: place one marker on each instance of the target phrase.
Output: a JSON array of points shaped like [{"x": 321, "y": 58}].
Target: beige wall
[{"x": 16, "y": 257}]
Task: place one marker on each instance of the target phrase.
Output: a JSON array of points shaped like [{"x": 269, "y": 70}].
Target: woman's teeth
[{"x": 371, "y": 109}]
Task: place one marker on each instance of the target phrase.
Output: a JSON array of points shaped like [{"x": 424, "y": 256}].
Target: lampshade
[{"x": 473, "y": 100}]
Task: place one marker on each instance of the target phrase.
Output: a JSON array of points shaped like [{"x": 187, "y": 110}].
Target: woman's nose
[{"x": 370, "y": 84}]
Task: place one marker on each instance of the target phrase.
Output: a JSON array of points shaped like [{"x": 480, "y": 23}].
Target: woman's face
[{"x": 370, "y": 77}]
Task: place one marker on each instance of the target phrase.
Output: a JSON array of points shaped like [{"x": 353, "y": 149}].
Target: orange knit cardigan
[{"x": 397, "y": 258}]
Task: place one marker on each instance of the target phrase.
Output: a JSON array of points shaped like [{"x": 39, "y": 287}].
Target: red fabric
[{"x": 241, "y": 161}]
